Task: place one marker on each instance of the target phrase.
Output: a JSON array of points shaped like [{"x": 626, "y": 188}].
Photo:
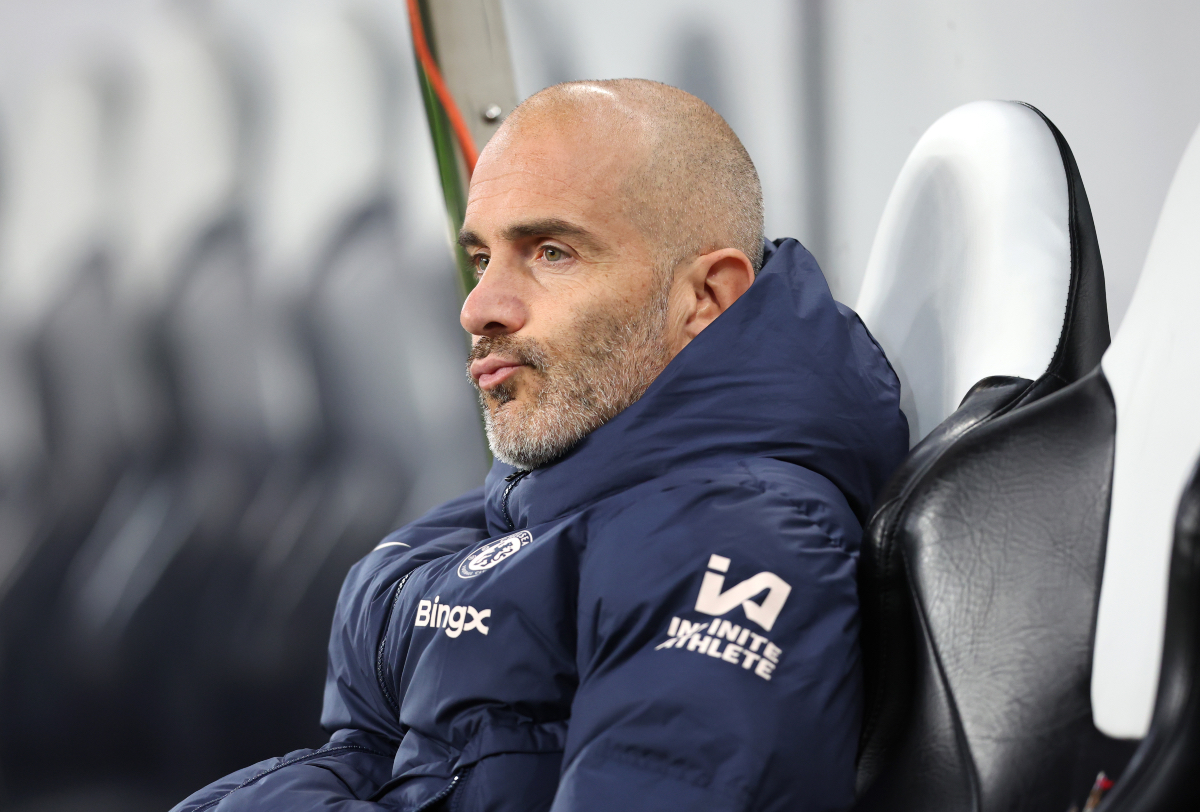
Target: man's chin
[
  {"x": 526, "y": 439},
  {"x": 529, "y": 455}
]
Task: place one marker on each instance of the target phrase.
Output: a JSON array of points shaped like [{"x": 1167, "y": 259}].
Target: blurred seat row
[{"x": 229, "y": 364}]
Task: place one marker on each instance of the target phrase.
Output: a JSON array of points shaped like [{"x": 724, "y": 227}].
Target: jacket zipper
[
  {"x": 512, "y": 480},
  {"x": 387, "y": 624},
  {"x": 455, "y": 780}
]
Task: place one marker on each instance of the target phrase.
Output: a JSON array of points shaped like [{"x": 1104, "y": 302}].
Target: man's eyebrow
[
  {"x": 553, "y": 227},
  {"x": 469, "y": 239},
  {"x": 549, "y": 227}
]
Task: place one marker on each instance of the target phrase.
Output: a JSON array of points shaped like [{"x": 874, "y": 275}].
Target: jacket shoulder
[{"x": 764, "y": 506}]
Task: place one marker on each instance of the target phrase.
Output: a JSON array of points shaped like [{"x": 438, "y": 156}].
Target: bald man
[{"x": 651, "y": 603}]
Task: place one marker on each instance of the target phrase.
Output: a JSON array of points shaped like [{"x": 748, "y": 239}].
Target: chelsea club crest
[{"x": 492, "y": 553}]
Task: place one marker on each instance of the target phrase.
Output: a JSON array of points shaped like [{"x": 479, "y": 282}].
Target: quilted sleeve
[{"x": 345, "y": 774}]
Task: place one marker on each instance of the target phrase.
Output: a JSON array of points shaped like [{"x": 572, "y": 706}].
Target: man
[{"x": 651, "y": 603}]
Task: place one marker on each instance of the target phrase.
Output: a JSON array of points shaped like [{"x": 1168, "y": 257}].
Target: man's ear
[{"x": 711, "y": 283}]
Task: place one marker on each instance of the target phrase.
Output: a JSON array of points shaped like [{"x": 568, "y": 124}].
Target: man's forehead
[
  {"x": 568, "y": 157},
  {"x": 557, "y": 177}
]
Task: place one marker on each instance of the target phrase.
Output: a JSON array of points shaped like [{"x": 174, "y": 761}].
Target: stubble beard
[{"x": 578, "y": 387}]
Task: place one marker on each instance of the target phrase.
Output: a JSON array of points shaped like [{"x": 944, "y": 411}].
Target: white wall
[{"x": 1120, "y": 80}]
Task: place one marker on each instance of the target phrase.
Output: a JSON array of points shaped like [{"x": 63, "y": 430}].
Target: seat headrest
[
  {"x": 1153, "y": 368},
  {"x": 972, "y": 267}
]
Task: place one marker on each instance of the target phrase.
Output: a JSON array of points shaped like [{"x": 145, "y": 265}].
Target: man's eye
[
  {"x": 481, "y": 262},
  {"x": 552, "y": 254}
]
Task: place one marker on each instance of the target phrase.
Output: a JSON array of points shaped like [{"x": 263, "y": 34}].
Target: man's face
[{"x": 570, "y": 316}]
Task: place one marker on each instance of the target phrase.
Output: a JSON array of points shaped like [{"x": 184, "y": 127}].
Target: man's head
[{"x": 609, "y": 222}]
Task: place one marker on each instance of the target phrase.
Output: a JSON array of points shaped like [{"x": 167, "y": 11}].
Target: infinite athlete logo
[
  {"x": 725, "y": 640},
  {"x": 492, "y": 553},
  {"x": 712, "y": 601}
]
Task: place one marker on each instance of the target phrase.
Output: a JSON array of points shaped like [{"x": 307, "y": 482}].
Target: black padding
[
  {"x": 1163, "y": 774},
  {"x": 1002, "y": 540},
  {"x": 887, "y": 636},
  {"x": 1085, "y": 334},
  {"x": 891, "y": 672}
]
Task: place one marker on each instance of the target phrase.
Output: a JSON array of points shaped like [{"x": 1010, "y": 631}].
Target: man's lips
[{"x": 490, "y": 371}]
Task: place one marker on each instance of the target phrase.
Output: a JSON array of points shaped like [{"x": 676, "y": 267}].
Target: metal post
[{"x": 468, "y": 42}]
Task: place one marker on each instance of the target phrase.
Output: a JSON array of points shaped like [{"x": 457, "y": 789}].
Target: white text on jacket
[
  {"x": 453, "y": 619},
  {"x": 725, "y": 641}
]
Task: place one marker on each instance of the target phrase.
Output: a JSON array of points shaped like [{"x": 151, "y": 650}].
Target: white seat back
[
  {"x": 1153, "y": 368},
  {"x": 971, "y": 267}
]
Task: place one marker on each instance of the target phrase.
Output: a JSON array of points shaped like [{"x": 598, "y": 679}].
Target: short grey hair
[{"x": 697, "y": 191}]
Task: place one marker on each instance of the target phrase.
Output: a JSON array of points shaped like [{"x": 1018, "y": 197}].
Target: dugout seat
[
  {"x": 1162, "y": 774},
  {"x": 986, "y": 290},
  {"x": 1146, "y": 661},
  {"x": 320, "y": 159},
  {"x": 58, "y": 262},
  {"x": 985, "y": 263}
]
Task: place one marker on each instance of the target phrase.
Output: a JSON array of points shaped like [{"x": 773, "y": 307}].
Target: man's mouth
[{"x": 491, "y": 371}]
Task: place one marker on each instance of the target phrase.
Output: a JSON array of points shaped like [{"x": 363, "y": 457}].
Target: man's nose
[{"x": 495, "y": 306}]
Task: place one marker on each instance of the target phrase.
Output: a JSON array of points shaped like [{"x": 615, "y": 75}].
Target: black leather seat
[
  {"x": 979, "y": 610},
  {"x": 978, "y": 575}
]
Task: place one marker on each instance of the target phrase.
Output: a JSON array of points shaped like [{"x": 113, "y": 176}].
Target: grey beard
[{"x": 611, "y": 363}]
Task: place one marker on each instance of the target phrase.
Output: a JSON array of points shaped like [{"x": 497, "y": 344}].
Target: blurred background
[{"x": 229, "y": 352}]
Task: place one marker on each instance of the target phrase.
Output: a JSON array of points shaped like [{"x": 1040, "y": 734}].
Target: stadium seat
[
  {"x": 90, "y": 668},
  {"x": 985, "y": 288},
  {"x": 985, "y": 262},
  {"x": 319, "y": 164},
  {"x": 1145, "y": 681},
  {"x": 58, "y": 266},
  {"x": 1161, "y": 776}
]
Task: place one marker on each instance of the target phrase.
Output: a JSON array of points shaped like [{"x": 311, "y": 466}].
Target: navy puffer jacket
[{"x": 664, "y": 619}]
